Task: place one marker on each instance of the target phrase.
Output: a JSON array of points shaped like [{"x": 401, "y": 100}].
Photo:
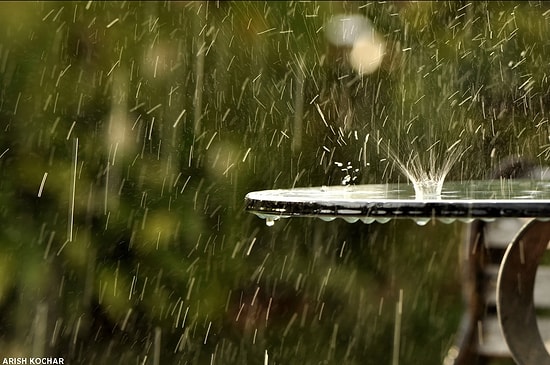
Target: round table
[{"x": 464, "y": 201}]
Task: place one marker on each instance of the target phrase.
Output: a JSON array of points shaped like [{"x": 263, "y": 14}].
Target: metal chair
[{"x": 480, "y": 339}]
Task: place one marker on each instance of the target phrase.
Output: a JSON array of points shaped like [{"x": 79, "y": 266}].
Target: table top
[{"x": 468, "y": 200}]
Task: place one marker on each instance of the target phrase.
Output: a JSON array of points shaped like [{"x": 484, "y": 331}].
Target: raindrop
[
  {"x": 351, "y": 219},
  {"x": 368, "y": 220},
  {"x": 422, "y": 221}
]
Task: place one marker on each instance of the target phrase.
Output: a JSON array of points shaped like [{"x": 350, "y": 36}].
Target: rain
[{"x": 132, "y": 131}]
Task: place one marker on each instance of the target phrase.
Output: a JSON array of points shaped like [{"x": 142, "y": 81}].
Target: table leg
[{"x": 515, "y": 302}]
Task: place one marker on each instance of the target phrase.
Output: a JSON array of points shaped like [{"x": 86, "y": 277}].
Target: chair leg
[
  {"x": 515, "y": 302},
  {"x": 472, "y": 261},
  {"x": 463, "y": 352}
]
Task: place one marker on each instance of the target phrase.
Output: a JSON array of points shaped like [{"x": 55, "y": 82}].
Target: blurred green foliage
[{"x": 131, "y": 132}]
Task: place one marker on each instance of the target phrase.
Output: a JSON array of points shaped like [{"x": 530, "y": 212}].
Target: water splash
[
  {"x": 427, "y": 180},
  {"x": 428, "y": 189},
  {"x": 351, "y": 173}
]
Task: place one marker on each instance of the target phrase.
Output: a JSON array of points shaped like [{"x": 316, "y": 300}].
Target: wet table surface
[
  {"x": 382, "y": 202},
  {"x": 463, "y": 201}
]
